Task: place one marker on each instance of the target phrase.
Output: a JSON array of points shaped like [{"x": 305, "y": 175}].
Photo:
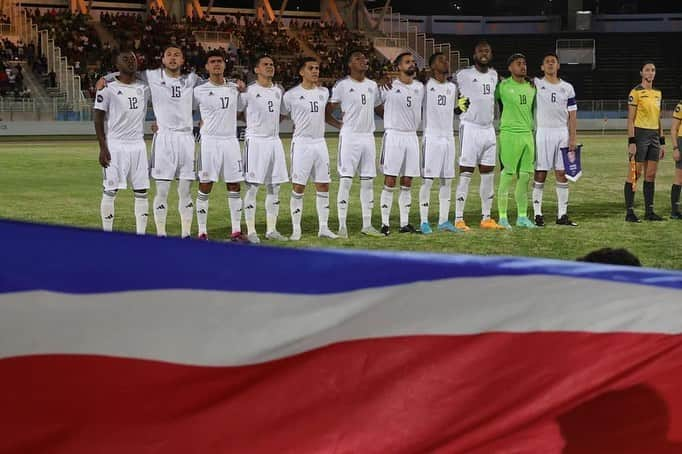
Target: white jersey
[
  {"x": 218, "y": 105},
  {"x": 440, "y": 101},
  {"x": 172, "y": 99},
  {"x": 403, "y": 105},
  {"x": 262, "y": 106},
  {"x": 126, "y": 108},
  {"x": 307, "y": 110},
  {"x": 358, "y": 100},
  {"x": 553, "y": 103},
  {"x": 480, "y": 89}
]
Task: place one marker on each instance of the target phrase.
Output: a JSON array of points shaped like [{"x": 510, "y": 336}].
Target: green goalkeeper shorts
[{"x": 517, "y": 152}]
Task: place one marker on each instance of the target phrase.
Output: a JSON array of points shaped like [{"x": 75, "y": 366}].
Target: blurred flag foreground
[{"x": 111, "y": 343}]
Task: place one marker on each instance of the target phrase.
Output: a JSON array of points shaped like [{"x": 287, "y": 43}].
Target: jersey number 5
[{"x": 409, "y": 101}]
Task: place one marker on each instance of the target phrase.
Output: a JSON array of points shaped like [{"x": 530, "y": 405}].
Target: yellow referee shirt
[
  {"x": 648, "y": 103},
  {"x": 677, "y": 114}
]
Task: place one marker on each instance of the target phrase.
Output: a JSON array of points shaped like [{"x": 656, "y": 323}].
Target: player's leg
[
  {"x": 110, "y": 183},
  {"x": 322, "y": 178},
  {"x": 544, "y": 163},
  {"x": 278, "y": 174},
  {"x": 526, "y": 167},
  {"x": 139, "y": 181},
  {"x": 468, "y": 160},
  {"x": 427, "y": 171},
  {"x": 390, "y": 161},
  {"x": 347, "y": 164},
  {"x": 631, "y": 180},
  {"x": 509, "y": 160},
  {"x": 487, "y": 188},
  {"x": 163, "y": 165},
  {"x": 368, "y": 171},
  {"x": 233, "y": 175},
  {"x": 185, "y": 146},
  {"x": 650, "y": 170},
  {"x": 209, "y": 164},
  {"x": 561, "y": 182},
  {"x": 446, "y": 173},
  {"x": 676, "y": 188},
  {"x": 302, "y": 160},
  {"x": 409, "y": 170},
  {"x": 255, "y": 167}
]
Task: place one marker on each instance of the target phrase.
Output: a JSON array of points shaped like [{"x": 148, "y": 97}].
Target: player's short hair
[
  {"x": 351, "y": 53},
  {"x": 118, "y": 52},
  {"x": 433, "y": 57},
  {"x": 550, "y": 54},
  {"x": 172, "y": 46},
  {"x": 514, "y": 57},
  {"x": 260, "y": 57},
  {"x": 481, "y": 43},
  {"x": 400, "y": 56},
  {"x": 647, "y": 62},
  {"x": 214, "y": 53},
  {"x": 612, "y": 256},
  {"x": 304, "y": 61}
]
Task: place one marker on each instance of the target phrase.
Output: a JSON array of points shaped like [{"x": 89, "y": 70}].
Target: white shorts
[
  {"x": 264, "y": 161},
  {"x": 219, "y": 158},
  {"x": 357, "y": 153},
  {"x": 128, "y": 164},
  {"x": 438, "y": 157},
  {"x": 400, "y": 154},
  {"x": 309, "y": 159},
  {"x": 478, "y": 145},
  {"x": 172, "y": 156},
  {"x": 548, "y": 145}
]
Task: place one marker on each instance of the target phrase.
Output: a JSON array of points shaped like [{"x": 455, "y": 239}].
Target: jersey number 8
[{"x": 363, "y": 99}]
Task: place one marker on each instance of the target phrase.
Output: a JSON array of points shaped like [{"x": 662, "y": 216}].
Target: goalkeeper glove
[{"x": 462, "y": 105}]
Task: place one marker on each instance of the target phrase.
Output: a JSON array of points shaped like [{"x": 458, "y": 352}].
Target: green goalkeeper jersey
[{"x": 517, "y": 100}]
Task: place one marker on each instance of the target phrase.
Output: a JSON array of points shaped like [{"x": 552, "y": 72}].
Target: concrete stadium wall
[{"x": 85, "y": 128}]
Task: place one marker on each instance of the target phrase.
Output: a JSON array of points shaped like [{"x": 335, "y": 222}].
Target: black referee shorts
[
  {"x": 678, "y": 164},
  {"x": 648, "y": 144}
]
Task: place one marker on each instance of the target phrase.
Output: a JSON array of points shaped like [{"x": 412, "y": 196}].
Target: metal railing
[
  {"x": 66, "y": 79},
  {"x": 422, "y": 47}
]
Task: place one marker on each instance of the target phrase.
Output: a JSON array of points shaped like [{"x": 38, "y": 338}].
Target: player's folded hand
[
  {"x": 196, "y": 132},
  {"x": 100, "y": 84},
  {"x": 463, "y": 104},
  {"x": 104, "y": 157}
]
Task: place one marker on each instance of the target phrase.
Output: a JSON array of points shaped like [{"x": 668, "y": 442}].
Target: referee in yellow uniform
[
  {"x": 645, "y": 142},
  {"x": 676, "y": 137}
]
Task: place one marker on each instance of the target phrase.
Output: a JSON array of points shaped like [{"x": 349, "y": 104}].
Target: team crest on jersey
[
  {"x": 139, "y": 91},
  {"x": 321, "y": 97},
  {"x": 447, "y": 92}
]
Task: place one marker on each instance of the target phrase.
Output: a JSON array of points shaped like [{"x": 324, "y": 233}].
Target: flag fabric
[
  {"x": 572, "y": 163},
  {"x": 114, "y": 343}
]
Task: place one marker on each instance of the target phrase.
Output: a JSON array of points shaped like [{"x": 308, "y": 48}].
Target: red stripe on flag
[{"x": 487, "y": 393}]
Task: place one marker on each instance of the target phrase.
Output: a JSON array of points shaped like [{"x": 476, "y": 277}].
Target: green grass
[{"x": 59, "y": 182}]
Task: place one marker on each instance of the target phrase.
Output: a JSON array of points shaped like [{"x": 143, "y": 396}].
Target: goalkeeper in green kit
[{"x": 516, "y": 97}]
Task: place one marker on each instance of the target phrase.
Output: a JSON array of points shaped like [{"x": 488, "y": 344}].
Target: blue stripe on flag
[{"x": 65, "y": 259}]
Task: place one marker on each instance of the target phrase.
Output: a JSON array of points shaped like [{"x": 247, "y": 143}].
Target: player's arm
[
  {"x": 661, "y": 155},
  {"x": 104, "y": 155},
  {"x": 329, "y": 117},
  {"x": 632, "y": 116},
  {"x": 674, "y": 131},
  {"x": 379, "y": 110},
  {"x": 498, "y": 96}
]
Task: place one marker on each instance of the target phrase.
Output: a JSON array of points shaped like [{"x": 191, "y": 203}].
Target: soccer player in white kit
[
  {"x": 556, "y": 120},
  {"x": 441, "y": 102},
  {"x": 220, "y": 156},
  {"x": 120, "y": 110},
  {"x": 478, "y": 143},
  {"x": 358, "y": 96},
  {"x": 402, "y": 112},
  {"x": 306, "y": 105},
  {"x": 264, "y": 161}
]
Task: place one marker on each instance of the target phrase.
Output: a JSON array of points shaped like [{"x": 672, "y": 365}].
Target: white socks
[
  {"x": 296, "y": 209},
  {"x": 161, "y": 206},
  {"x": 271, "y": 207},
  {"x": 444, "y": 200},
  {"x": 141, "y": 212},
  {"x": 343, "y": 199},
  {"x": 562, "y": 198},
  {"x": 250, "y": 207},
  {"x": 462, "y": 192},
  {"x": 386, "y": 204},
  {"x": 425, "y": 199},
  {"x": 202, "y": 212},
  {"x": 404, "y": 204},
  {"x": 106, "y": 210},
  {"x": 234, "y": 203},
  {"x": 487, "y": 193},
  {"x": 366, "y": 200},
  {"x": 322, "y": 205},
  {"x": 538, "y": 189},
  {"x": 185, "y": 207}
]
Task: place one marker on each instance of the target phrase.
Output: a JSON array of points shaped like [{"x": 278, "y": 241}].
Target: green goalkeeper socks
[
  {"x": 503, "y": 193},
  {"x": 521, "y": 194}
]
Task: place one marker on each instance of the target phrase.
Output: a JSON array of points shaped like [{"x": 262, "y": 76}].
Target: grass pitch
[{"x": 59, "y": 182}]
